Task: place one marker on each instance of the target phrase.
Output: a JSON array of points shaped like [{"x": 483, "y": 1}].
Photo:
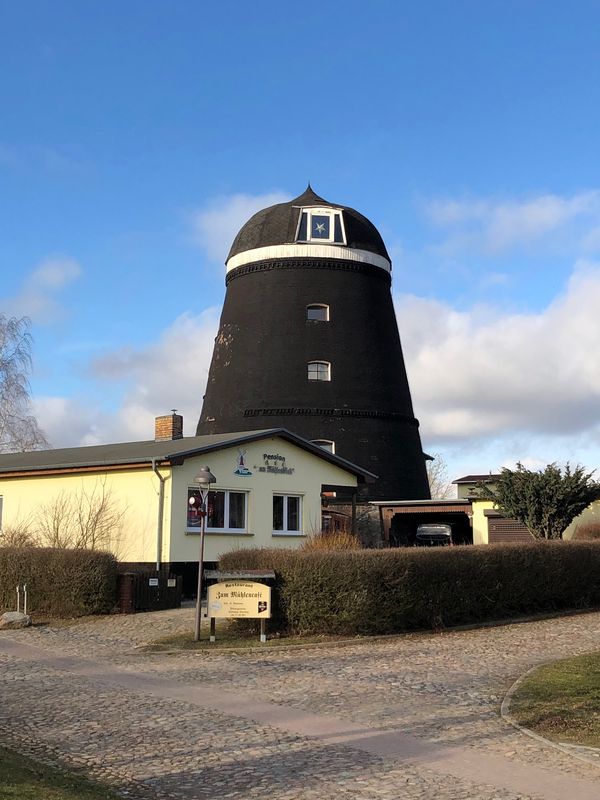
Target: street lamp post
[{"x": 204, "y": 478}]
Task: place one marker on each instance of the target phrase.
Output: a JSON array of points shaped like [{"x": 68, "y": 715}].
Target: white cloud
[
  {"x": 491, "y": 226},
  {"x": 216, "y": 225},
  {"x": 486, "y": 373},
  {"x": 27, "y": 158},
  {"x": 591, "y": 240},
  {"x": 169, "y": 373},
  {"x": 37, "y": 297},
  {"x": 69, "y": 421},
  {"x": 54, "y": 273},
  {"x": 492, "y": 279}
]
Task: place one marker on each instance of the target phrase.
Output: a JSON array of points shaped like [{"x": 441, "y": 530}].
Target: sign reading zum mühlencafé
[{"x": 241, "y": 599}]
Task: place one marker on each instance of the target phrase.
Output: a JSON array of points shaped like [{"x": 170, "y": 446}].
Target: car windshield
[{"x": 434, "y": 530}]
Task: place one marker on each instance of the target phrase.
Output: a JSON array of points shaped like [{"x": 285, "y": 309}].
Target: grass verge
[
  {"x": 185, "y": 641},
  {"x": 231, "y": 636},
  {"x": 561, "y": 701},
  {"x": 22, "y": 778}
]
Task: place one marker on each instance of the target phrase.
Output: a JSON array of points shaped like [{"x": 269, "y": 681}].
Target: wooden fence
[{"x": 148, "y": 591}]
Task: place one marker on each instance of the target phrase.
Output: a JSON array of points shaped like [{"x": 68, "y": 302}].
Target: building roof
[
  {"x": 172, "y": 451},
  {"x": 487, "y": 478},
  {"x": 278, "y": 224}
]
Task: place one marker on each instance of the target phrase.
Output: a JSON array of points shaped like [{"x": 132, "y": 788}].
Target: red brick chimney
[{"x": 168, "y": 427}]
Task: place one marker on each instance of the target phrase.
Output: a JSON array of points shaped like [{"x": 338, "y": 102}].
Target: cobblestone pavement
[{"x": 401, "y": 717}]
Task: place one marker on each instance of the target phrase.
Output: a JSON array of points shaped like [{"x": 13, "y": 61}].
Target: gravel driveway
[{"x": 405, "y": 717}]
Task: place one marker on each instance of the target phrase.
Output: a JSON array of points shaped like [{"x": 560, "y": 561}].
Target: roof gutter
[{"x": 161, "y": 508}]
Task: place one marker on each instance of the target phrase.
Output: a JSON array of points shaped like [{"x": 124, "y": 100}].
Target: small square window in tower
[
  {"x": 319, "y": 371},
  {"x": 317, "y": 312}
]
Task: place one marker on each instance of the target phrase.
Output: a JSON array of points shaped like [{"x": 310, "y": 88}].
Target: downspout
[{"x": 161, "y": 507}]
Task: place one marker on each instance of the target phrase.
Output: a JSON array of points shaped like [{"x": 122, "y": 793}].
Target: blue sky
[{"x": 136, "y": 138}]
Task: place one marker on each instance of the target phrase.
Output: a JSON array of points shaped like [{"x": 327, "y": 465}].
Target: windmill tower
[{"x": 308, "y": 341}]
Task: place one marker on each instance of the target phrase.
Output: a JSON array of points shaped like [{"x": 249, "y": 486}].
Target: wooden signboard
[{"x": 239, "y": 600}]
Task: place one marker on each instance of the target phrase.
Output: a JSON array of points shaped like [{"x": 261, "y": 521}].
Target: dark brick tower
[{"x": 308, "y": 341}]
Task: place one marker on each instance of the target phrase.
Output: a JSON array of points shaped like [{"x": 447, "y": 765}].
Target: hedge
[
  {"x": 390, "y": 591},
  {"x": 59, "y": 582}
]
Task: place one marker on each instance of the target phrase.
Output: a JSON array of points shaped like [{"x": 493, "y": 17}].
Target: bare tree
[
  {"x": 99, "y": 518},
  {"x": 18, "y": 534},
  {"x": 54, "y": 523},
  {"x": 19, "y": 430},
  {"x": 88, "y": 519},
  {"x": 440, "y": 485}
]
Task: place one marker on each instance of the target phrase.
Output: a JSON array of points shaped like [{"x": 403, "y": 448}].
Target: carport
[{"x": 400, "y": 519}]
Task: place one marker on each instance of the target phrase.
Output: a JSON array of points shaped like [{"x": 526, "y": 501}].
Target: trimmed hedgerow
[
  {"x": 389, "y": 591},
  {"x": 59, "y": 582}
]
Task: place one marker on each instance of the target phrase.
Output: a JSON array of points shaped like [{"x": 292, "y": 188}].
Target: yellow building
[
  {"x": 139, "y": 499},
  {"x": 488, "y": 526}
]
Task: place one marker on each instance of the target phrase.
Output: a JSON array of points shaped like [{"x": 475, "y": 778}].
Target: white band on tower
[{"x": 278, "y": 251}]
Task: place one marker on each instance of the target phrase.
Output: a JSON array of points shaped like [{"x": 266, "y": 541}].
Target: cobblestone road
[{"x": 406, "y": 717}]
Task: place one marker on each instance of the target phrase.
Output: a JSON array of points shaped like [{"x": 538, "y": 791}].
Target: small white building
[{"x": 268, "y": 491}]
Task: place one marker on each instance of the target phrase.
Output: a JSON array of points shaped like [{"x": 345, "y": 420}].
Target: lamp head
[{"x": 204, "y": 478}]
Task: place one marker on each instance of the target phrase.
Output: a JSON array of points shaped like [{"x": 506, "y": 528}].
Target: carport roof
[{"x": 420, "y": 506}]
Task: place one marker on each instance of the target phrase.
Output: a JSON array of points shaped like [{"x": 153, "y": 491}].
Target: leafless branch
[{"x": 19, "y": 430}]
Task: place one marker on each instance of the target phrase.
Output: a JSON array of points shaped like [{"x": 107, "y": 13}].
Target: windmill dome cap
[{"x": 278, "y": 225}]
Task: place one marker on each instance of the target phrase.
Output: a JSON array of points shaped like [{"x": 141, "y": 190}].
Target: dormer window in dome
[{"x": 321, "y": 225}]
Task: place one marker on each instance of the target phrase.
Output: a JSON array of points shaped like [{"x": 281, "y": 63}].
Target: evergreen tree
[{"x": 546, "y": 501}]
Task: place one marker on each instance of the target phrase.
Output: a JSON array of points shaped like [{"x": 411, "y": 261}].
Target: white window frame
[
  {"x": 317, "y": 305},
  {"x": 233, "y": 531},
  {"x": 332, "y": 213},
  {"x": 321, "y": 363},
  {"x": 285, "y": 531},
  {"x": 326, "y": 444}
]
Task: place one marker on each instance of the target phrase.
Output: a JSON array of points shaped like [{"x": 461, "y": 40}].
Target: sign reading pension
[{"x": 239, "y": 599}]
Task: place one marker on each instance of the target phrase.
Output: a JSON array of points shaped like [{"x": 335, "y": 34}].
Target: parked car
[{"x": 434, "y": 534}]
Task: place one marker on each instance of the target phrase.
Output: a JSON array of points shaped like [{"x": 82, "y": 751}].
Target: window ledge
[
  {"x": 296, "y": 534},
  {"x": 219, "y": 533}
]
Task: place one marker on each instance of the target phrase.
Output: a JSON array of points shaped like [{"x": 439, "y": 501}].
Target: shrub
[
  {"x": 389, "y": 591},
  {"x": 334, "y": 540},
  {"x": 18, "y": 535},
  {"x": 59, "y": 582}
]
